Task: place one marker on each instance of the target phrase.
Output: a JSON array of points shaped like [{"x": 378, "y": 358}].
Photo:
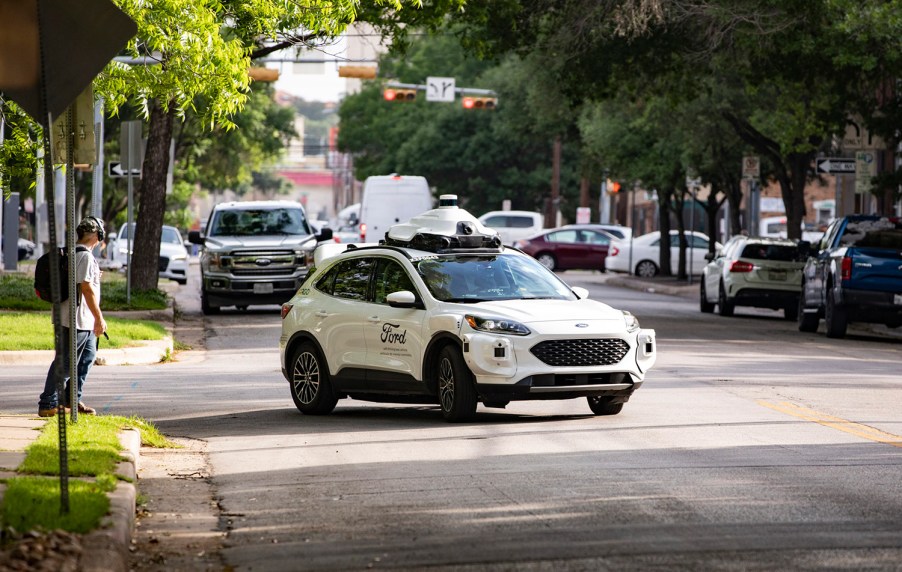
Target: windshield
[
  {"x": 256, "y": 222},
  {"x": 469, "y": 278},
  {"x": 169, "y": 234}
]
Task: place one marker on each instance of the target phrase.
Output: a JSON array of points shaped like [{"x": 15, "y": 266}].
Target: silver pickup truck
[{"x": 255, "y": 252}]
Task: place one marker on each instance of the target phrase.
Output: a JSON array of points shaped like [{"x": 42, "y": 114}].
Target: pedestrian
[{"x": 89, "y": 322}]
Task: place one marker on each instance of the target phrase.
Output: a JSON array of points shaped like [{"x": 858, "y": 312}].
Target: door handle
[
  {"x": 322, "y": 314},
  {"x": 373, "y": 319}
]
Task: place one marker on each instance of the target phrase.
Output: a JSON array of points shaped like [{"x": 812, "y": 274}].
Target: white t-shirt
[{"x": 86, "y": 270}]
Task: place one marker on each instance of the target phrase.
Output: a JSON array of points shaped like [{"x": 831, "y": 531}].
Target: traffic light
[
  {"x": 399, "y": 94},
  {"x": 471, "y": 102}
]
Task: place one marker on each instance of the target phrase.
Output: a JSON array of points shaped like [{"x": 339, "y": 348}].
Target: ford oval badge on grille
[
  {"x": 263, "y": 262},
  {"x": 582, "y": 325}
]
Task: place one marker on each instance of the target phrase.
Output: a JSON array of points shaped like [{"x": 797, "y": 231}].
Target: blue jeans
[{"x": 85, "y": 352}]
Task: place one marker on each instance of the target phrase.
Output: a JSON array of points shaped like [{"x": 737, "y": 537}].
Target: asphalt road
[{"x": 751, "y": 446}]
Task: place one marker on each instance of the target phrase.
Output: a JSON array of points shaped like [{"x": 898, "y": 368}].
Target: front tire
[
  {"x": 205, "y": 305},
  {"x": 724, "y": 306},
  {"x": 646, "y": 269},
  {"x": 547, "y": 260},
  {"x": 456, "y": 392},
  {"x": 603, "y": 405},
  {"x": 836, "y": 318},
  {"x": 703, "y": 304},
  {"x": 311, "y": 389}
]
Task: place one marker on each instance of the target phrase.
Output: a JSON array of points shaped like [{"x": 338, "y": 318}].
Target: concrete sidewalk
[{"x": 105, "y": 549}]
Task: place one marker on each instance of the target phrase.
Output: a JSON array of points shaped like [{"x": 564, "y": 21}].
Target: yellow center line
[{"x": 839, "y": 423}]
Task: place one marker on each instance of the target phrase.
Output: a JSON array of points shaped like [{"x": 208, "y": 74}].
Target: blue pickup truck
[{"x": 854, "y": 275}]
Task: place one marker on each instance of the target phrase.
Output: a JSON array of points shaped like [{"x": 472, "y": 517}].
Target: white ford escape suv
[{"x": 440, "y": 312}]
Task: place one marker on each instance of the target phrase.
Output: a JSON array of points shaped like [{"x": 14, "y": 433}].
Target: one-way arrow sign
[
  {"x": 115, "y": 170},
  {"x": 836, "y": 165}
]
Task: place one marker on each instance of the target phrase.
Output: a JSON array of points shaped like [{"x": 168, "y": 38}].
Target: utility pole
[{"x": 551, "y": 220}]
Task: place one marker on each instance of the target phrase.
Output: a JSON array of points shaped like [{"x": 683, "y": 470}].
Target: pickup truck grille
[
  {"x": 261, "y": 263},
  {"x": 583, "y": 352}
]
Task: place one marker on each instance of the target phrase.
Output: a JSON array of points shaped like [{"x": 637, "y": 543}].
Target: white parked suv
[
  {"x": 512, "y": 226},
  {"x": 441, "y": 313},
  {"x": 173, "y": 262}
]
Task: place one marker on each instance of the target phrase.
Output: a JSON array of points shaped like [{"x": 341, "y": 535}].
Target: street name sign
[{"x": 836, "y": 165}]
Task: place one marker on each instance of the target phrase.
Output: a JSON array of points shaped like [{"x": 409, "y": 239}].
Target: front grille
[
  {"x": 263, "y": 271},
  {"x": 163, "y": 264},
  {"x": 584, "y": 352},
  {"x": 261, "y": 263}
]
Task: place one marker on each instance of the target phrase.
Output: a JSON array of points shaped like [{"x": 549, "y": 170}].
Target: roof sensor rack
[{"x": 447, "y": 228}]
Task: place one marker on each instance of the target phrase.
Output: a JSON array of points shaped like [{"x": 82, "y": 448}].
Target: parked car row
[{"x": 853, "y": 274}]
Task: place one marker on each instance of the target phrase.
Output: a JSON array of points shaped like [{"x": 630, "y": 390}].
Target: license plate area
[
  {"x": 897, "y": 299},
  {"x": 263, "y": 288},
  {"x": 778, "y": 275}
]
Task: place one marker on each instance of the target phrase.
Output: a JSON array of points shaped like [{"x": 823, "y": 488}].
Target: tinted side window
[
  {"x": 596, "y": 237},
  {"x": 352, "y": 279},
  {"x": 390, "y": 277},
  {"x": 562, "y": 236},
  {"x": 520, "y": 221},
  {"x": 324, "y": 284},
  {"x": 495, "y": 221}
]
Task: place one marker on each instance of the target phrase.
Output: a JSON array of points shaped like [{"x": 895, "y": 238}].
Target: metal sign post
[{"x": 130, "y": 158}]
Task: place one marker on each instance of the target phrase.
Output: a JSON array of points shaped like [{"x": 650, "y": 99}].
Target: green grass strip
[
  {"x": 34, "y": 504},
  {"x": 93, "y": 445},
  {"x": 17, "y": 293},
  {"x": 34, "y": 331}
]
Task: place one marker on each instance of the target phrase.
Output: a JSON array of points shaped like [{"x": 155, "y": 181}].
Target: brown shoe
[
  {"x": 52, "y": 412},
  {"x": 82, "y": 408}
]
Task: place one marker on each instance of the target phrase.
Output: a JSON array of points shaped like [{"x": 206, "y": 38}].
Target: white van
[
  {"x": 513, "y": 225},
  {"x": 389, "y": 200}
]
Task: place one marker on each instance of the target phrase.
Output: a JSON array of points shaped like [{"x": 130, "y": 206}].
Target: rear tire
[
  {"x": 646, "y": 269},
  {"x": 311, "y": 389},
  {"x": 808, "y": 321},
  {"x": 836, "y": 317},
  {"x": 603, "y": 405},
  {"x": 724, "y": 306},
  {"x": 703, "y": 304},
  {"x": 456, "y": 392}
]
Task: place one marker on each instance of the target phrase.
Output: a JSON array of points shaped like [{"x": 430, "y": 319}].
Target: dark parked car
[
  {"x": 854, "y": 275},
  {"x": 568, "y": 248}
]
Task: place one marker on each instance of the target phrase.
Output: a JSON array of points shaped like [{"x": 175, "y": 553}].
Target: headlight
[
  {"x": 632, "y": 323},
  {"x": 496, "y": 325}
]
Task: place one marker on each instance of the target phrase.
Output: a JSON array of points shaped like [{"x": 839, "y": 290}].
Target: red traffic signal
[
  {"x": 398, "y": 94},
  {"x": 470, "y": 102}
]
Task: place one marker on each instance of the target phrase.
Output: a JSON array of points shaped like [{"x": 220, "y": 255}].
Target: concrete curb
[
  {"x": 148, "y": 352},
  {"x": 106, "y": 549}
]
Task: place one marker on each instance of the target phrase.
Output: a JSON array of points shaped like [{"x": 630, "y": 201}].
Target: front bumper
[
  {"x": 226, "y": 289},
  {"x": 508, "y": 368}
]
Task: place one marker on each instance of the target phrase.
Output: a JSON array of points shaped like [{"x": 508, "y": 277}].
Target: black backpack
[{"x": 42, "y": 274}]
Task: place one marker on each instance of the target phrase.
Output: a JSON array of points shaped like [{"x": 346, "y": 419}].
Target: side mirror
[
  {"x": 401, "y": 299},
  {"x": 324, "y": 234},
  {"x": 709, "y": 256},
  {"x": 580, "y": 292},
  {"x": 194, "y": 237}
]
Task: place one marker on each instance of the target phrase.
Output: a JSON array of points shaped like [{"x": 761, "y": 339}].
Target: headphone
[{"x": 92, "y": 224}]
